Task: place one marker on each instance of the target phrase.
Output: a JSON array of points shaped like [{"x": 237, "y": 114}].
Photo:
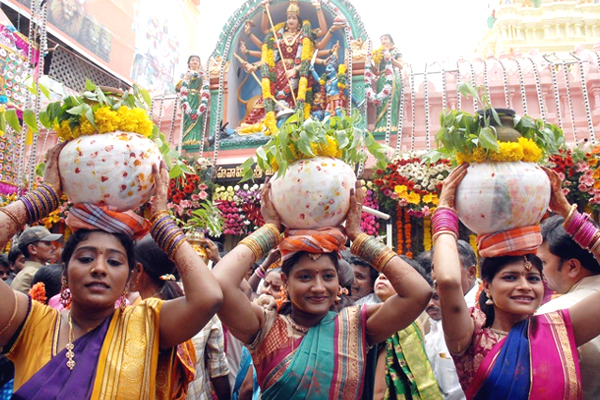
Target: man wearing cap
[{"x": 37, "y": 247}]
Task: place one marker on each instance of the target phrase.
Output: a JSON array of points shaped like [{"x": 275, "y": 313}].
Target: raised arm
[
  {"x": 238, "y": 313},
  {"x": 182, "y": 318},
  {"x": 457, "y": 322},
  {"x": 322, "y": 22},
  {"x": 585, "y": 314},
  {"x": 12, "y": 218},
  {"x": 320, "y": 45},
  {"x": 264, "y": 21},
  {"x": 412, "y": 291}
]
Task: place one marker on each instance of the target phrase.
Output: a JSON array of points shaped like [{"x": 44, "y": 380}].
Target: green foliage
[
  {"x": 299, "y": 139},
  {"x": 462, "y": 132},
  {"x": 206, "y": 218}
]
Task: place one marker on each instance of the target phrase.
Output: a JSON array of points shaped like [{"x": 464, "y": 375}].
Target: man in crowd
[
  {"x": 573, "y": 272},
  {"x": 36, "y": 244}
]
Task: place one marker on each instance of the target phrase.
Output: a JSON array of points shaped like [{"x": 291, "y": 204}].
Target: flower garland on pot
[
  {"x": 194, "y": 114},
  {"x": 386, "y": 91}
]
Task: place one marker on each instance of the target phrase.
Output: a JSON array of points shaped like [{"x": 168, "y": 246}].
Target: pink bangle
[{"x": 259, "y": 271}]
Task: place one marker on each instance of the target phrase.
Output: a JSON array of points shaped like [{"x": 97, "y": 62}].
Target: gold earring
[
  {"x": 123, "y": 298},
  {"x": 489, "y": 301}
]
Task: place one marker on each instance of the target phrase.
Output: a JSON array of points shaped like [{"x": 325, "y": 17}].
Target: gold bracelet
[
  {"x": 12, "y": 318},
  {"x": 12, "y": 216}
]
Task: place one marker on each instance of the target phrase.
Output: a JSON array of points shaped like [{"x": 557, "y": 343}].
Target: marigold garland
[
  {"x": 399, "y": 230},
  {"x": 524, "y": 150},
  {"x": 427, "y": 241},
  {"x": 408, "y": 235},
  {"x": 107, "y": 120}
]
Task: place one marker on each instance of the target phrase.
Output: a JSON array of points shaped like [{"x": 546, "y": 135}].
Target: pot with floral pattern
[
  {"x": 314, "y": 193},
  {"x": 498, "y": 196},
  {"x": 113, "y": 169}
]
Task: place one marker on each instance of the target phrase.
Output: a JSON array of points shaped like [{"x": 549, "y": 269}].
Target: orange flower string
[
  {"x": 408, "y": 235},
  {"x": 38, "y": 292},
  {"x": 399, "y": 230}
]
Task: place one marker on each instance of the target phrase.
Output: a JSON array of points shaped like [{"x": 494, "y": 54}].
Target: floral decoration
[
  {"x": 368, "y": 222},
  {"x": 409, "y": 182},
  {"x": 239, "y": 207},
  {"x": 386, "y": 91},
  {"x": 190, "y": 199}
]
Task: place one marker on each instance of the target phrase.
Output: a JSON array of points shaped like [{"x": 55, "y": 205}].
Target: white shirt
[
  {"x": 442, "y": 363},
  {"x": 589, "y": 353},
  {"x": 471, "y": 294}
]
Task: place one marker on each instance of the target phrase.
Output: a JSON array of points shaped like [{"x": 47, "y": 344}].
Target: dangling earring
[
  {"x": 123, "y": 298},
  {"x": 65, "y": 293},
  {"x": 339, "y": 294},
  {"x": 489, "y": 301}
]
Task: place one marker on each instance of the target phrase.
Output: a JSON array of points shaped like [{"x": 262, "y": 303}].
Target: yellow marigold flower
[
  {"x": 302, "y": 88},
  {"x": 596, "y": 174},
  {"x": 274, "y": 165},
  {"x": 63, "y": 131},
  {"x": 307, "y": 50},
  {"x": 592, "y": 162},
  {"x": 271, "y": 58},
  {"x": 400, "y": 189},
  {"x": 106, "y": 120},
  {"x": 427, "y": 198},
  {"x": 307, "y": 108},
  {"x": 293, "y": 151},
  {"x": 507, "y": 152},
  {"x": 270, "y": 123},
  {"x": 266, "y": 88},
  {"x": 531, "y": 151},
  {"x": 264, "y": 54},
  {"x": 413, "y": 198},
  {"x": 479, "y": 155},
  {"x": 435, "y": 200},
  {"x": 462, "y": 158},
  {"x": 339, "y": 154},
  {"x": 86, "y": 126},
  {"x": 326, "y": 150},
  {"x": 342, "y": 69}
]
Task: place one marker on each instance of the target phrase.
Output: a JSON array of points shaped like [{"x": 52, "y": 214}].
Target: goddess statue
[
  {"x": 286, "y": 53},
  {"x": 387, "y": 63},
  {"x": 194, "y": 94}
]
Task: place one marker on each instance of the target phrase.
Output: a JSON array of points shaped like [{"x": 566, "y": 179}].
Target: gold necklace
[
  {"x": 295, "y": 326},
  {"x": 289, "y": 43},
  {"x": 70, "y": 355},
  {"x": 499, "y": 333}
]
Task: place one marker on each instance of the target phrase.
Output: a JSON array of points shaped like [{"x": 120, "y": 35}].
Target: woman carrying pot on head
[
  {"x": 312, "y": 352},
  {"x": 501, "y": 350},
  {"x": 93, "y": 350}
]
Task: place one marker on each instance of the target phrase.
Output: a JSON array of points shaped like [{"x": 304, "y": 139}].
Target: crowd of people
[{"x": 115, "y": 312}]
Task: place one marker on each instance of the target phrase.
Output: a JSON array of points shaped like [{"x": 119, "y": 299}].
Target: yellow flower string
[
  {"x": 427, "y": 242},
  {"x": 524, "y": 150}
]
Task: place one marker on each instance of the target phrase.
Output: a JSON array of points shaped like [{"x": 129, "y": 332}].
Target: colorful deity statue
[
  {"x": 287, "y": 50},
  {"x": 194, "y": 94},
  {"x": 333, "y": 91},
  {"x": 387, "y": 63}
]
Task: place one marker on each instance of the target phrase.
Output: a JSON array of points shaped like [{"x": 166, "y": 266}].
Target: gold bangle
[
  {"x": 593, "y": 248},
  {"x": 357, "y": 243},
  {"x": 437, "y": 234},
  {"x": 12, "y": 216},
  {"x": 157, "y": 215},
  {"x": 386, "y": 257},
  {"x": 571, "y": 211},
  {"x": 12, "y": 318}
]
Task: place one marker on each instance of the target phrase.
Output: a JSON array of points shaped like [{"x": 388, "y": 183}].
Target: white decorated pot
[
  {"x": 112, "y": 169},
  {"x": 495, "y": 197},
  {"x": 314, "y": 193}
]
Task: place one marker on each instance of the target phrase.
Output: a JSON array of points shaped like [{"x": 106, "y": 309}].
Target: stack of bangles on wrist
[
  {"x": 40, "y": 202},
  {"x": 582, "y": 230},
  {"x": 444, "y": 220},
  {"x": 262, "y": 241},
  {"x": 166, "y": 233},
  {"x": 372, "y": 251},
  {"x": 260, "y": 272}
]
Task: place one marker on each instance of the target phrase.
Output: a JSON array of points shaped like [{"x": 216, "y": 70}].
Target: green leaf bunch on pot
[
  {"x": 493, "y": 134},
  {"x": 339, "y": 137}
]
